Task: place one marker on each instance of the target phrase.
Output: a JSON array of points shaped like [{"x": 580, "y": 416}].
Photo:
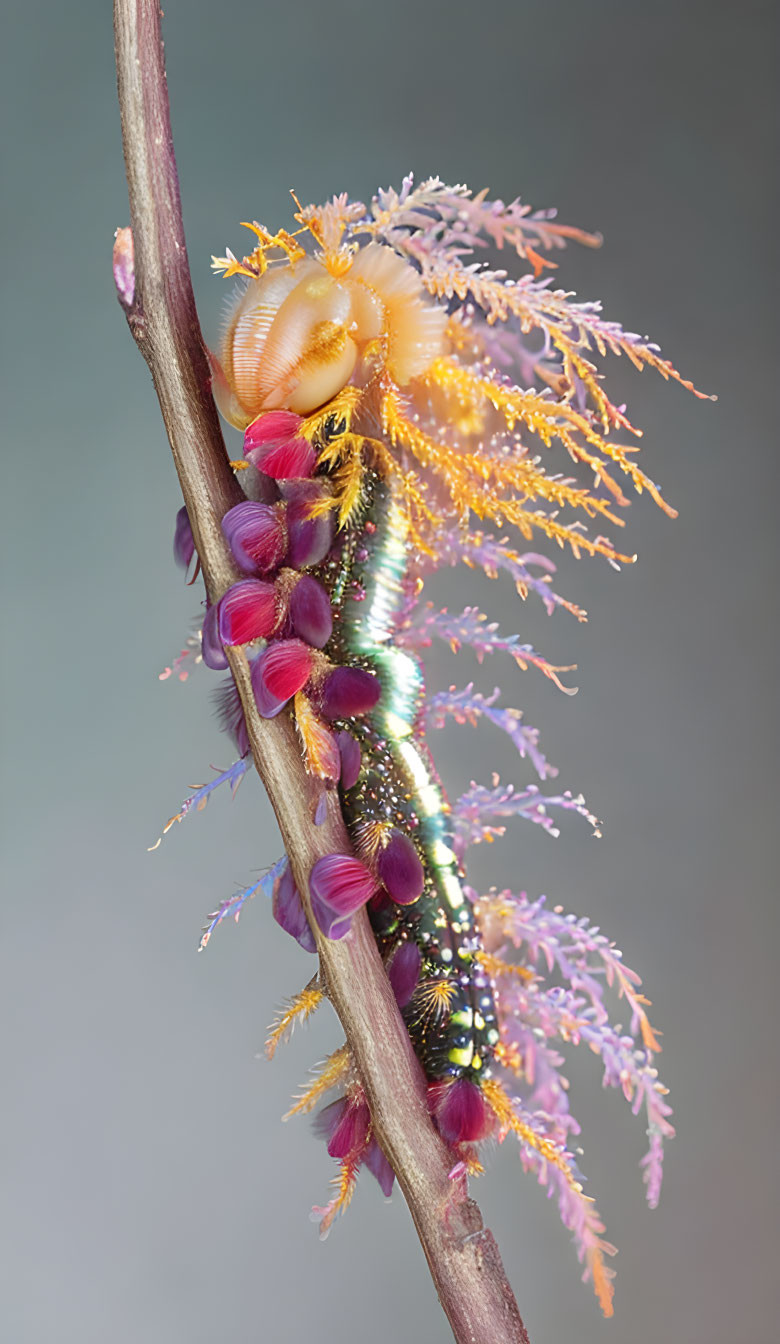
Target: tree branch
[{"x": 156, "y": 293}]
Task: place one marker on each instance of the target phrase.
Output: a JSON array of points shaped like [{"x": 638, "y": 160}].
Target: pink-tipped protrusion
[
  {"x": 280, "y": 672},
  {"x": 124, "y": 267},
  {"x": 403, "y": 972},
  {"x": 351, "y": 759},
  {"x": 339, "y": 885},
  {"x": 400, "y": 869},
  {"x": 310, "y": 612},
  {"x": 460, "y": 1111},
  {"x": 211, "y": 648},
  {"x": 248, "y": 611},
  {"x": 257, "y": 536},
  {"x": 289, "y": 912},
  {"x": 349, "y": 691},
  {"x": 271, "y": 444}
]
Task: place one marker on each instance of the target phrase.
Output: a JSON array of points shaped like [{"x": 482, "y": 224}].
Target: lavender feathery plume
[
  {"x": 540, "y": 1017},
  {"x": 491, "y": 554},
  {"x": 478, "y": 806},
  {"x": 472, "y": 628},
  {"x": 235, "y": 904},
  {"x": 469, "y": 706},
  {"x": 198, "y": 800}
]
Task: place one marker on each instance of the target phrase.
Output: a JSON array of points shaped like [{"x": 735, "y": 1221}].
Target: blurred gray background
[{"x": 150, "y": 1191}]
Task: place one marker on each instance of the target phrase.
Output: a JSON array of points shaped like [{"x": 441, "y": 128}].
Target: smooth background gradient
[{"x": 150, "y": 1192}]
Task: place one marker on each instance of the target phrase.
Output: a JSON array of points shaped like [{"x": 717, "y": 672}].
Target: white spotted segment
[{"x": 455, "y": 1031}]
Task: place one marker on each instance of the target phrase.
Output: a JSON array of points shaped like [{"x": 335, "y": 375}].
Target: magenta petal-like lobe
[
  {"x": 248, "y": 611},
  {"x": 257, "y": 536},
  {"x": 286, "y": 462},
  {"x": 461, "y": 1112},
  {"x": 404, "y": 972},
  {"x": 348, "y": 1134},
  {"x": 289, "y": 912},
  {"x": 379, "y": 1167},
  {"x": 278, "y": 673},
  {"x": 268, "y": 705},
  {"x": 271, "y": 429},
  {"x": 343, "y": 882},
  {"x": 339, "y": 885},
  {"x": 287, "y": 664},
  {"x": 310, "y": 612},
  {"x": 271, "y": 444},
  {"x": 349, "y": 691},
  {"x": 351, "y": 759},
  {"x": 211, "y": 648},
  {"x": 400, "y": 869}
]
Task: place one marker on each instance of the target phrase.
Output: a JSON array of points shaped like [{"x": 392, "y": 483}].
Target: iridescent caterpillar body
[{"x": 388, "y": 391}]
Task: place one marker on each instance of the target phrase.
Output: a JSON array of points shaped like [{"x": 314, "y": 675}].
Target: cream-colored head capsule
[{"x": 295, "y": 335}]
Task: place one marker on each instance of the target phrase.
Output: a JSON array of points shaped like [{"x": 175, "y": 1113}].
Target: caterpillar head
[{"x": 300, "y": 332}]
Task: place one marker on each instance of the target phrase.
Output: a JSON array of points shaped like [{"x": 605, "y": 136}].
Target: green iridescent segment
[{"x": 455, "y": 1031}]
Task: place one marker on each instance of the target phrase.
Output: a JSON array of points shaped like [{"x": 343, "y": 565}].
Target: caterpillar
[{"x": 396, "y": 400}]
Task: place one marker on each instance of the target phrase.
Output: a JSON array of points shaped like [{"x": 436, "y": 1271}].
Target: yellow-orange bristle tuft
[
  {"x": 333, "y": 1071},
  {"x": 298, "y": 1009}
]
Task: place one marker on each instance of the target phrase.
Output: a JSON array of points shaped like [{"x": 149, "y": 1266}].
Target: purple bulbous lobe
[
  {"x": 289, "y": 912},
  {"x": 400, "y": 869},
  {"x": 183, "y": 540},
  {"x": 310, "y": 535},
  {"x": 404, "y": 972},
  {"x": 379, "y": 1167},
  {"x": 310, "y": 612},
  {"x": 351, "y": 759},
  {"x": 211, "y": 645},
  {"x": 349, "y": 691}
]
